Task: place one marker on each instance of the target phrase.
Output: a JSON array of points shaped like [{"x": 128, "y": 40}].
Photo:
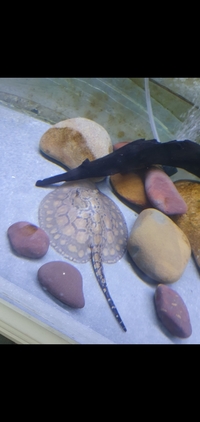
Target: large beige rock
[
  {"x": 158, "y": 247},
  {"x": 73, "y": 140}
]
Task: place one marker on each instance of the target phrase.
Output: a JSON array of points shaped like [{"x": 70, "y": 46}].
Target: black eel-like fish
[{"x": 133, "y": 156}]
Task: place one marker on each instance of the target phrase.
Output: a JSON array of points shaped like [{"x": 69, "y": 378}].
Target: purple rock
[
  {"x": 162, "y": 192},
  {"x": 63, "y": 281},
  {"x": 172, "y": 311},
  {"x": 28, "y": 240}
]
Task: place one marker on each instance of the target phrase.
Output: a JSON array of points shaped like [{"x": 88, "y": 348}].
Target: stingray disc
[{"x": 77, "y": 216}]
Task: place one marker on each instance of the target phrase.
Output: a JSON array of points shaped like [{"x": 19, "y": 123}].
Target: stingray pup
[{"x": 135, "y": 155}]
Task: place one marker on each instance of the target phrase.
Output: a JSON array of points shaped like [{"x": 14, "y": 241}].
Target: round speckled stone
[
  {"x": 63, "y": 281},
  {"x": 172, "y": 311},
  {"x": 28, "y": 240}
]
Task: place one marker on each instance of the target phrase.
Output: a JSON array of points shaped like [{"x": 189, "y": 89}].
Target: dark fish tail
[
  {"x": 98, "y": 269},
  {"x": 78, "y": 173},
  {"x": 51, "y": 180}
]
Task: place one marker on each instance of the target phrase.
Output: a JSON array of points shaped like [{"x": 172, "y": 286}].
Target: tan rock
[
  {"x": 190, "y": 222},
  {"x": 131, "y": 188},
  {"x": 73, "y": 140},
  {"x": 158, "y": 247}
]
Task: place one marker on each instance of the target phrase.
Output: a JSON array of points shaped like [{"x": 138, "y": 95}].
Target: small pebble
[
  {"x": 158, "y": 247},
  {"x": 28, "y": 240},
  {"x": 162, "y": 192},
  {"x": 63, "y": 281},
  {"x": 172, "y": 311}
]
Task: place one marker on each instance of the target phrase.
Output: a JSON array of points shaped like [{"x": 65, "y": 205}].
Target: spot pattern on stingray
[{"x": 76, "y": 216}]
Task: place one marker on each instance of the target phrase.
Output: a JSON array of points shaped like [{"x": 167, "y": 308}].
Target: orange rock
[
  {"x": 189, "y": 223},
  {"x": 131, "y": 187}
]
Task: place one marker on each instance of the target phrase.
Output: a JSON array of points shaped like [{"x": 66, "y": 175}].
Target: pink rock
[
  {"x": 63, "y": 281},
  {"x": 172, "y": 311},
  {"x": 119, "y": 145},
  {"x": 162, "y": 192},
  {"x": 28, "y": 240}
]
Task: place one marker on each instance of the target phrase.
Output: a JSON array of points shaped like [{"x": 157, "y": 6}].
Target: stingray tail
[{"x": 98, "y": 269}]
